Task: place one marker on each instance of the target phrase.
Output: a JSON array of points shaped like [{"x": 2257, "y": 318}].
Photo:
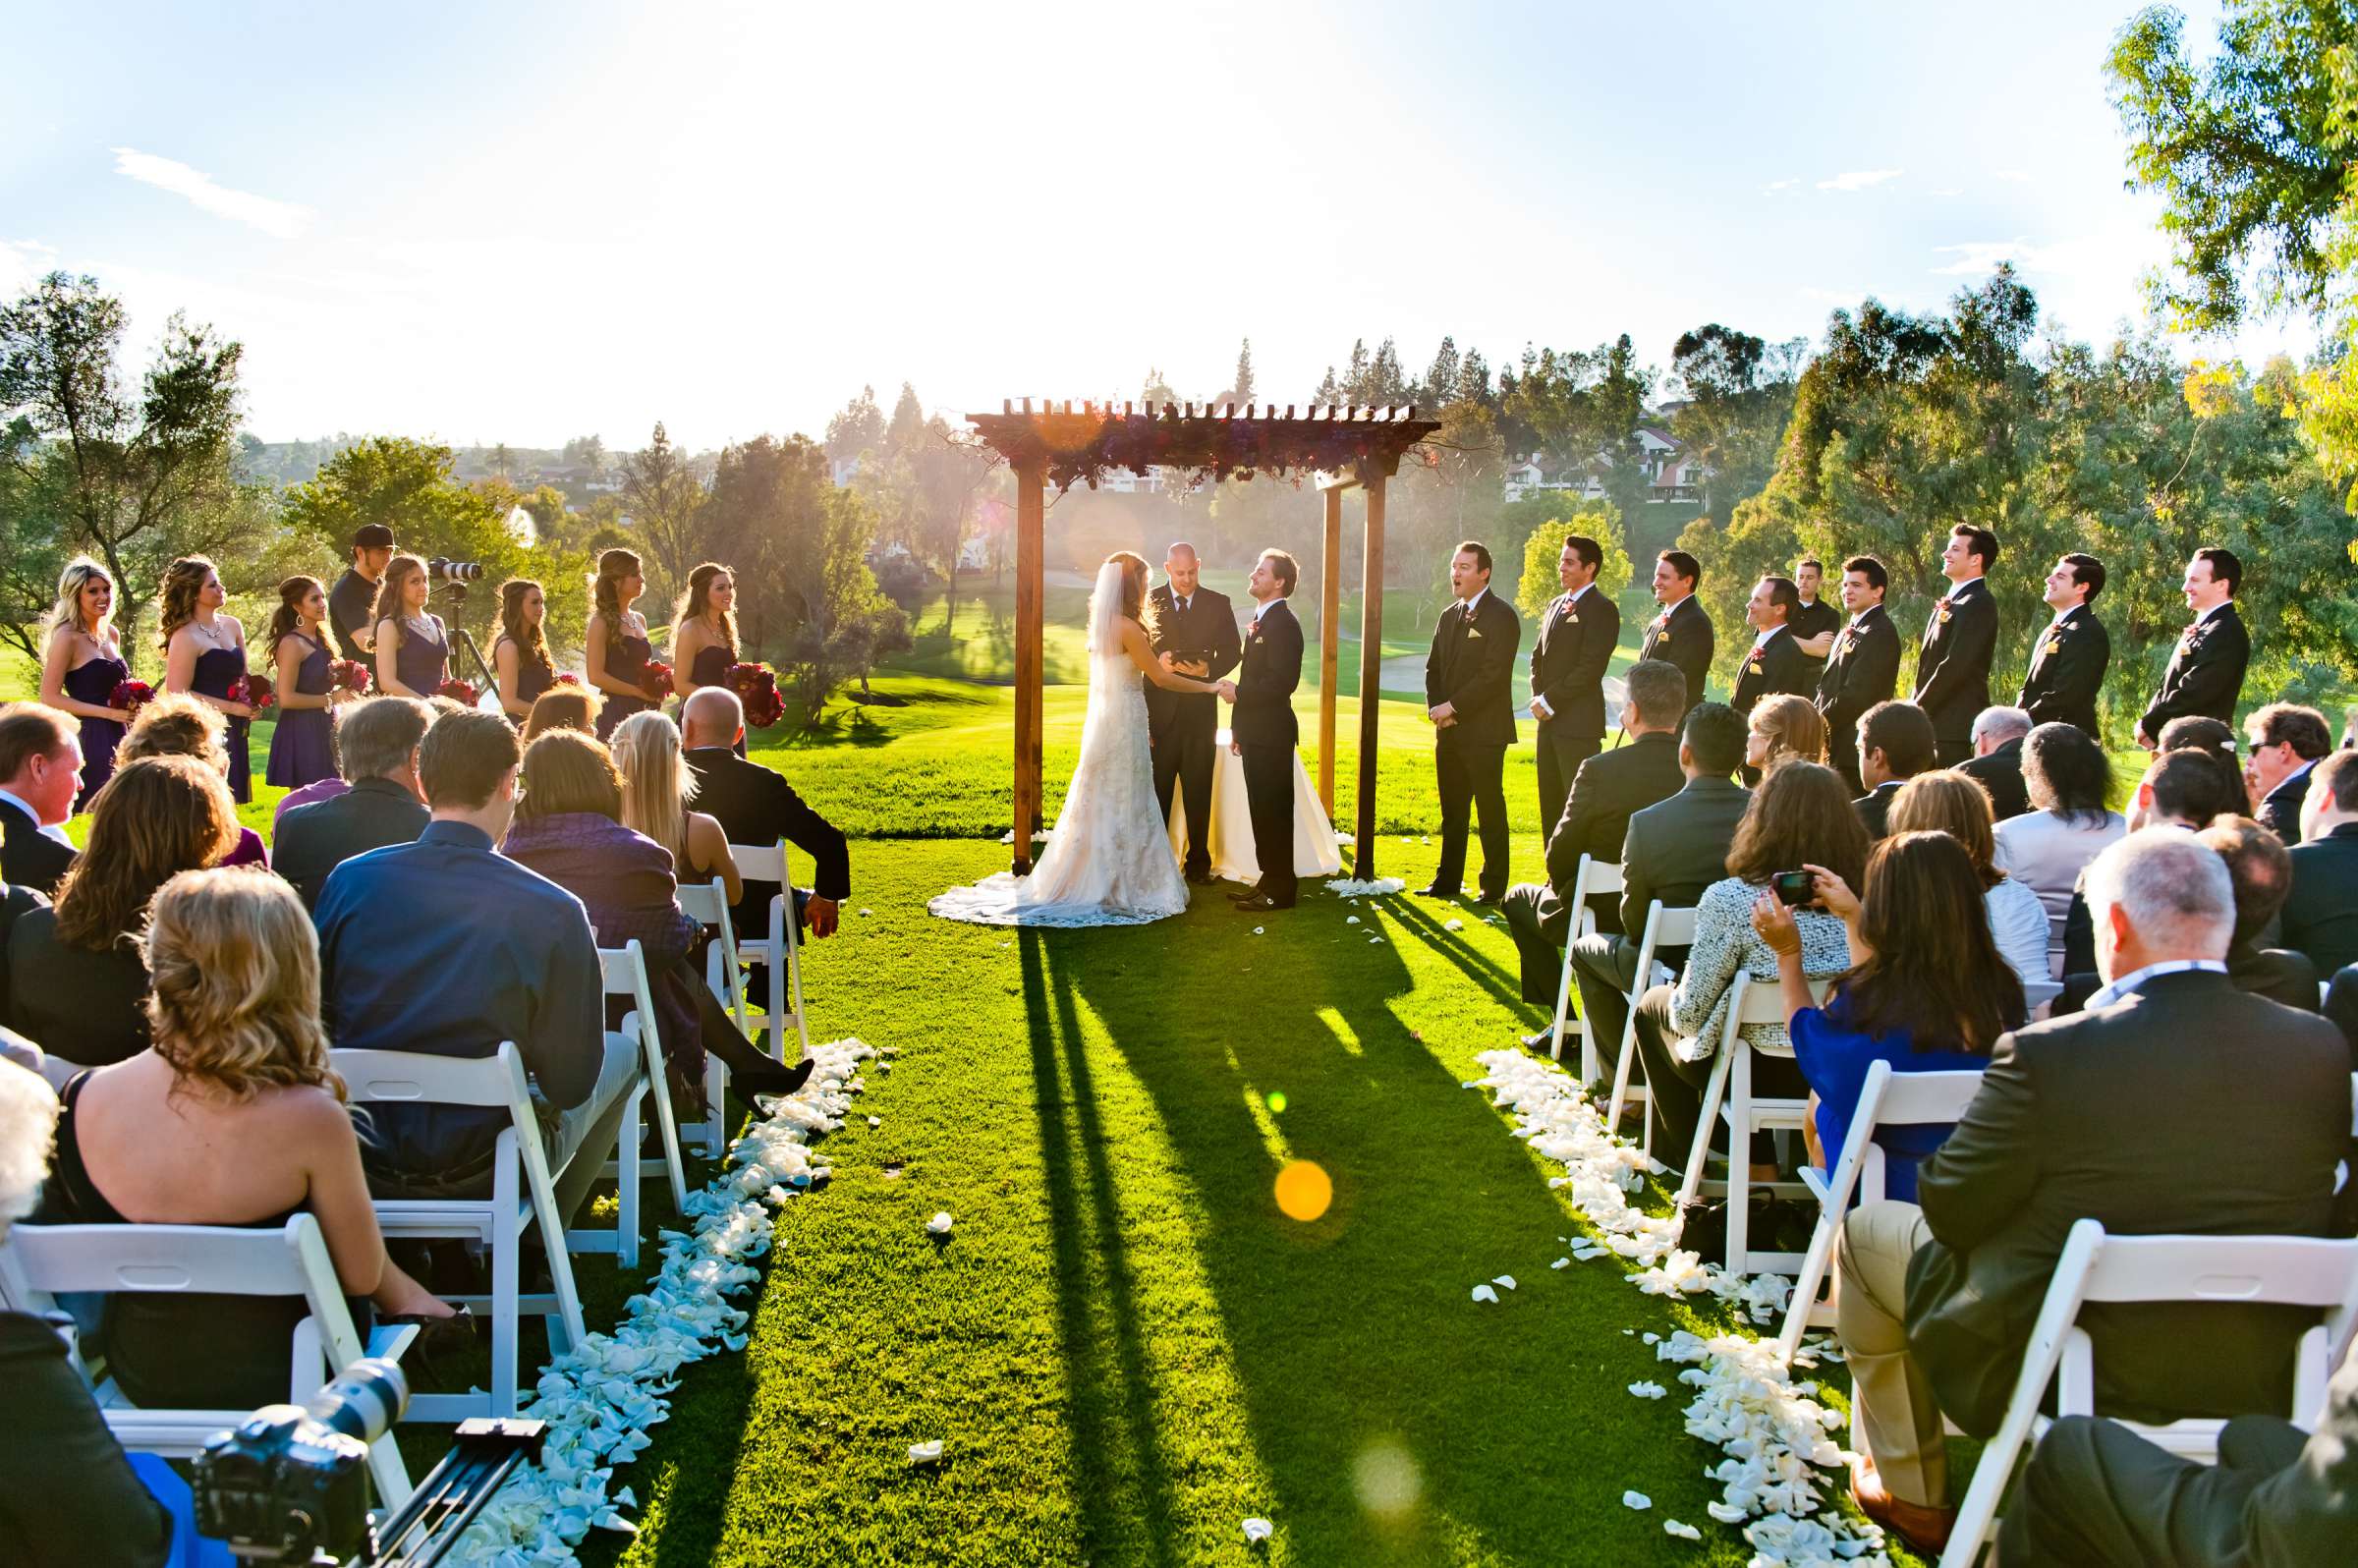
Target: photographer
[{"x": 351, "y": 605}]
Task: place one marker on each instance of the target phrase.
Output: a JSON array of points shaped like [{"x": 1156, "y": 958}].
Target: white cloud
[
  {"x": 1949, "y": 190},
  {"x": 1859, "y": 179},
  {"x": 1779, "y": 185},
  {"x": 1977, "y": 256},
  {"x": 22, "y": 261},
  {"x": 2018, "y": 175},
  {"x": 283, "y": 220}
]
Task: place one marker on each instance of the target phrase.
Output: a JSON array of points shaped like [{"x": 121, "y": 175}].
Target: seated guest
[
  {"x": 1799, "y": 818},
  {"x": 2196, "y": 732},
  {"x": 2067, "y": 777},
  {"x": 232, "y": 1117},
  {"x": 68, "y": 1497},
  {"x": 449, "y": 947},
  {"x": 1671, "y": 852},
  {"x": 376, "y": 740},
  {"x": 2287, "y": 742},
  {"x": 2341, "y": 1008},
  {"x": 2176, "y": 1104},
  {"x": 1781, "y": 729},
  {"x": 2261, "y": 869},
  {"x": 1927, "y": 990},
  {"x": 180, "y": 725},
  {"x": 1606, "y": 791},
  {"x": 76, "y": 985},
  {"x": 1946, "y": 801},
  {"x": 656, "y": 790},
  {"x": 568, "y": 827},
  {"x": 563, "y": 708},
  {"x": 15, "y": 904},
  {"x": 756, "y": 804},
  {"x": 36, "y": 747},
  {"x": 2182, "y": 789},
  {"x": 1996, "y": 763},
  {"x": 1895, "y": 744},
  {"x": 2321, "y": 912},
  {"x": 2099, "y": 1495}
]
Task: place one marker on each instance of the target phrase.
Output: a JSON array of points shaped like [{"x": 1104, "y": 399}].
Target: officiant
[{"x": 1194, "y": 630}]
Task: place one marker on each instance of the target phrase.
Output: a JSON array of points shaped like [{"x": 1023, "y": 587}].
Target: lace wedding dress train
[{"x": 1109, "y": 860}]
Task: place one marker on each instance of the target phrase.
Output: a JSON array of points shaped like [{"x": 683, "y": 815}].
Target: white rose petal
[
  {"x": 876, "y": 1121},
  {"x": 1453, "y": 925},
  {"x": 1257, "y": 931},
  {"x": 1671, "y": 1526},
  {"x": 940, "y": 1223},
  {"x": 926, "y": 1453},
  {"x": 1647, "y": 1390},
  {"x": 868, "y": 912},
  {"x": 1485, "y": 1293},
  {"x": 1257, "y": 1531},
  {"x": 1561, "y": 1262},
  {"x": 1351, "y": 919},
  {"x": 1508, "y": 1280},
  {"x": 1636, "y": 1499}
]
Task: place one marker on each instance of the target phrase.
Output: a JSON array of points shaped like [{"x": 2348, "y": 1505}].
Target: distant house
[{"x": 1670, "y": 473}]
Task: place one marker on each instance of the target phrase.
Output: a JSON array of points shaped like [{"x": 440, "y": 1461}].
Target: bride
[{"x": 1109, "y": 862}]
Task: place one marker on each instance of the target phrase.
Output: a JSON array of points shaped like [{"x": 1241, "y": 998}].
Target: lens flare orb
[{"x": 1305, "y": 1191}]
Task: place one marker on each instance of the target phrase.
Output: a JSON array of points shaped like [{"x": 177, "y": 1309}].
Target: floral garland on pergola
[{"x": 1082, "y": 447}]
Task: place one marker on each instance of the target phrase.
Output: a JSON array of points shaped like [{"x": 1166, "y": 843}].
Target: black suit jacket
[
  {"x": 755, "y": 804},
  {"x": 1778, "y": 667},
  {"x": 2321, "y": 912},
  {"x": 2188, "y": 1108},
  {"x": 1953, "y": 662},
  {"x": 1675, "y": 850},
  {"x": 2280, "y": 812},
  {"x": 1682, "y": 637},
  {"x": 2279, "y": 974},
  {"x": 1266, "y": 680},
  {"x": 2000, "y": 774},
  {"x": 1861, "y": 670},
  {"x": 68, "y": 1495},
  {"x": 1875, "y": 808},
  {"x": 2205, "y": 674},
  {"x": 1608, "y": 789},
  {"x": 2342, "y": 1006},
  {"x": 86, "y": 1006},
  {"x": 313, "y": 840},
  {"x": 2067, "y": 670},
  {"x": 1472, "y": 668},
  {"x": 1208, "y": 626},
  {"x": 1568, "y": 662},
  {"x": 29, "y": 857}
]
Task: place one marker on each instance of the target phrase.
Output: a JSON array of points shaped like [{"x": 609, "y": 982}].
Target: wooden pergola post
[
  {"x": 1330, "y": 632},
  {"x": 1370, "y": 680},
  {"x": 1031, "y": 572}
]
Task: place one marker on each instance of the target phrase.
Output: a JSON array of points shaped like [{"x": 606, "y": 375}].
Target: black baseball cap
[{"x": 372, "y": 536}]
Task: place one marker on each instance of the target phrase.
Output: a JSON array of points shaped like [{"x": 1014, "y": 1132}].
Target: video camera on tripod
[{"x": 289, "y": 1485}]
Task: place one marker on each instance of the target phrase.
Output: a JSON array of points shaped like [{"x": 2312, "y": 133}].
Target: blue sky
[{"x": 527, "y": 222}]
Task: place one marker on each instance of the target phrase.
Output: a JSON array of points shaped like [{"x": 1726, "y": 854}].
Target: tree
[
  {"x": 857, "y": 428},
  {"x": 665, "y": 500},
  {"x": 1541, "y": 583},
  {"x": 1440, "y": 376},
  {"x": 137, "y": 481},
  {"x": 1240, "y": 386},
  {"x": 1157, "y": 391},
  {"x": 1739, "y": 399},
  {"x": 588, "y": 454}
]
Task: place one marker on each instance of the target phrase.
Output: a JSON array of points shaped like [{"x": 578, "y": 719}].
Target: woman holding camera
[
  {"x": 413, "y": 650},
  {"x": 614, "y": 648},
  {"x": 520, "y": 657},
  {"x": 204, "y": 655},
  {"x": 1801, "y": 815}
]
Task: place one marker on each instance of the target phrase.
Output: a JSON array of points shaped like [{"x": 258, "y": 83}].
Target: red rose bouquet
[
  {"x": 130, "y": 696},
  {"x": 569, "y": 679},
  {"x": 657, "y": 679},
  {"x": 257, "y": 693},
  {"x": 757, "y": 686},
  {"x": 459, "y": 692},
  {"x": 353, "y": 676}
]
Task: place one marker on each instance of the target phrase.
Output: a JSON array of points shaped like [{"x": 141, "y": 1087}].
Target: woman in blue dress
[
  {"x": 204, "y": 655},
  {"x": 82, "y": 664},
  {"x": 413, "y": 651},
  {"x": 302, "y": 744},
  {"x": 703, "y": 633},
  {"x": 615, "y": 646},
  {"x": 520, "y": 657}
]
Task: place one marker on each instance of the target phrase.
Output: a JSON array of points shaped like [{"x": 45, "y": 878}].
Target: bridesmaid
[
  {"x": 519, "y": 658},
  {"x": 616, "y": 648},
  {"x": 703, "y": 633},
  {"x": 413, "y": 651},
  {"x": 301, "y": 744},
  {"x": 82, "y": 663},
  {"x": 204, "y": 655}
]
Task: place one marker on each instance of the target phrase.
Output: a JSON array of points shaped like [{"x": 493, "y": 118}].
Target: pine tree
[
  {"x": 1440, "y": 380},
  {"x": 1242, "y": 385}
]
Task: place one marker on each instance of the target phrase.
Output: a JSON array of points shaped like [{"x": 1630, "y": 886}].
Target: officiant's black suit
[
  {"x": 1263, "y": 727},
  {"x": 1182, "y": 725},
  {"x": 1472, "y": 668}
]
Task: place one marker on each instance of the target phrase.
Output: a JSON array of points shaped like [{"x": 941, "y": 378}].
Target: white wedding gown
[{"x": 1109, "y": 860}]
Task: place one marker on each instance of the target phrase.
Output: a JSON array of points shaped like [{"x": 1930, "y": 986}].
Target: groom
[{"x": 1263, "y": 728}]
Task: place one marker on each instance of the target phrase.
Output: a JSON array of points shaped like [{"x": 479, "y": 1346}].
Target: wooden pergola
[{"x": 1342, "y": 446}]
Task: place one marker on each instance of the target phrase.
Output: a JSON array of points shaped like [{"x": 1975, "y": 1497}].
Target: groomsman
[
  {"x": 1576, "y": 641},
  {"x": 1469, "y": 692},
  {"x": 1817, "y": 620},
  {"x": 1195, "y": 631},
  {"x": 2206, "y": 672},
  {"x": 1264, "y": 731},
  {"x": 1776, "y": 665},
  {"x": 1863, "y": 666},
  {"x": 2068, "y": 662},
  {"x": 1953, "y": 662},
  {"x": 1682, "y": 634}
]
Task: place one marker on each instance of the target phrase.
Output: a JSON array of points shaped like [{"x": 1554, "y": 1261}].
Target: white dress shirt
[{"x": 2128, "y": 982}]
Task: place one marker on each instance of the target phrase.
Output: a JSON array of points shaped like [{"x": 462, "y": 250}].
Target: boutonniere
[
  {"x": 1472, "y": 634},
  {"x": 1944, "y": 612},
  {"x": 2055, "y": 646},
  {"x": 1757, "y": 667},
  {"x": 1572, "y": 617}
]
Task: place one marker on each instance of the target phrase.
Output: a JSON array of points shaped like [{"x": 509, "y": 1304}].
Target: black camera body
[{"x": 290, "y": 1484}]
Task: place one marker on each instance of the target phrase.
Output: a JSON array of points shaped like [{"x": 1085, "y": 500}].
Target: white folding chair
[
  {"x": 780, "y": 949},
  {"x": 289, "y": 1259},
  {"x": 623, "y": 974},
  {"x": 1729, "y": 1095},
  {"x": 2293, "y": 1271},
  {"x": 708, "y": 904},
  {"x": 523, "y": 1194},
  {"x": 1665, "y": 927},
  {"x": 1593, "y": 876},
  {"x": 1887, "y": 1100}
]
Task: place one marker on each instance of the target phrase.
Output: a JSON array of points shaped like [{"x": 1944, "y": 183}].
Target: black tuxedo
[
  {"x": 2280, "y": 811},
  {"x": 1682, "y": 635},
  {"x": 1266, "y": 731},
  {"x": 2205, "y": 674},
  {"x": 2103, "y": 1115},
  {"x": 2000, "y": 774},
  {"x": 2321, "y": 912},
  {"x": 1861, "y": 670},
  {"x": 755, "y": 804},
  {"x": 1574, "y": 644},
  {"x": 1182, "y": 725},
  {"x": 29, "y": 857},
  {"x": 1875, "y": 808},
  {"x": 1952, "y": 666},
  {"x": 1776, "y": 668},
  {"x": 1472, "y": 668},
  {"x": 1611, "y": 787},
  {"x": 313, "y": 840},
  {"x": 15, "y": 902},
  {"x": 2067, "y": 670}
]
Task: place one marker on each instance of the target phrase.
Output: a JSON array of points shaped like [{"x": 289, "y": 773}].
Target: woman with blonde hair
[
  {"x": 181, "y": 725},
  {"x": 412, "y": 649},
  {"x": 82, "y": 664},
  {"x": 656, "y": 789},
  {"x": 1783, "y": 729},
  {"x": 231, "y": 1117},
  {"x": 614, "y": 647},
  {"x": 1946, "y": 801},
  {"x": 204, "y": 655}
]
